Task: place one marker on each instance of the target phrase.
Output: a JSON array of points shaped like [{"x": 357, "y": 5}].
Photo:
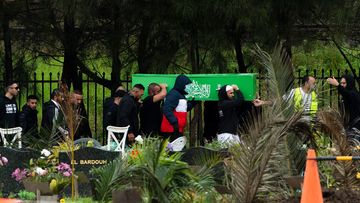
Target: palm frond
[
  {"x": 264, "y": 158},
  {"x": 278, "y": 69},
  {"x": 330, "y": 122}
]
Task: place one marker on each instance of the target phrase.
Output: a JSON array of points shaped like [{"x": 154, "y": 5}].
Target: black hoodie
[
  {"x": 228, "y": 118},
  {"x": 350, "y": 102},
  {"x": 172, "y": 99},
  {"x": 28, "y": 120},
  {"x": 8, "y": 112}
]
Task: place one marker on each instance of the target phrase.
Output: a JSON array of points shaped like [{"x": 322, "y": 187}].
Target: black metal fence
[{"x": 94, "y": 95}]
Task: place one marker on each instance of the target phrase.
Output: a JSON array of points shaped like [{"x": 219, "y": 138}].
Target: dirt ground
[{"x": 342, "y": 195}]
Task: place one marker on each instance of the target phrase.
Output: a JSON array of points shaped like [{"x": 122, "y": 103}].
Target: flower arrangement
[{"x": 45, "y": 169}]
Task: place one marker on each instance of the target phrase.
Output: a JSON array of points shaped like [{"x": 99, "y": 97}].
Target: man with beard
[
  {"x": 127, "y": 113},
  {"x": 52, "y": 115},
  {"x": 28, "y": 119},
  {"x": 83, "y": 128},
  {"x": 230, "y": 98},
  {"x": 304, "y": 98},
  {"x": 350, "y": 100}
]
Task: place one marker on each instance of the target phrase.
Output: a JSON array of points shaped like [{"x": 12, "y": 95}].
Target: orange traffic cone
[{"x": 311, "y": 190}]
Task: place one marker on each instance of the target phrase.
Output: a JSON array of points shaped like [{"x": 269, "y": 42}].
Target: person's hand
[
  {"x": 333, "y": 81},
  {"x": 235, "y": 87},
  {"x": 131, "y": 137},
  {"x": 258, "y": 102},
  {"x": 163, "y": 85}
]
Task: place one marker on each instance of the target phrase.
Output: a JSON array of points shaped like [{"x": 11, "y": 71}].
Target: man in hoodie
[
  {"x": 28, "y": 119},
  {"x": 350, "y": 102},
  {"x": 127, "y": 113},
  {"x": 175, "y": 109},
  {"x": 8, "y": 107},
  {"x": 230, "y": 98}
]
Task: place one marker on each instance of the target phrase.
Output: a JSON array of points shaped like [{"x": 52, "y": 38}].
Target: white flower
[
  {"x": 45, "y": 152},
  {"x": 139, "y": 139},
  {"x": 40, "y": 171}
]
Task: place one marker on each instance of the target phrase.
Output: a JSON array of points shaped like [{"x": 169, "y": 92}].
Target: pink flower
[
  {"x": 64, "y": 168},
  {"x": 4, "y": 160},
  {"x": 67, "y": 174},
  {"x": 19, "y": 174}
]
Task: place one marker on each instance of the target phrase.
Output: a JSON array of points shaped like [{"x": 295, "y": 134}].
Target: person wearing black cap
[
  {"x": 350, "y": 100},
  {"x": 8, "y": 106}
]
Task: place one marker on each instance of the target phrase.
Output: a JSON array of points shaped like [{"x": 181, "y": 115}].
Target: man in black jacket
[
  {"x": 83, "y": 128},
  {"x": 52, "y": 115},
  {"x": 127, "y": 113},
  {"x": 110, "y": 110},
  {"x": 230, "y": 98},
  {"x": 350, "y": 102},
  {"x": 150, "y": 112},
  {"x": 28, "y": 119}
]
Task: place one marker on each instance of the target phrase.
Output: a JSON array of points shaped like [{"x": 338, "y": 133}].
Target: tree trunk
[
  {"x": 239, "y": 54},
  {"x": 196, "y": 126},
  {"x": 8, "y": 51},
  {"x": 70, "y": 72},
  {"x": 115, "y": 54},
  {"x": 144, "y": 61}
]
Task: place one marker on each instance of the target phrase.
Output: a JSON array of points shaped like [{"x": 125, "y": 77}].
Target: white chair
[
  {"x": 11, "y": 131},
  {"x": 120, "y": 146},
  {"x": 178, "y": 144}
]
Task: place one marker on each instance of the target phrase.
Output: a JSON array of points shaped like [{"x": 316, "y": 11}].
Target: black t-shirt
[
  {"x": 150, "y": 116},
  {"x": 8, "y": 112}
]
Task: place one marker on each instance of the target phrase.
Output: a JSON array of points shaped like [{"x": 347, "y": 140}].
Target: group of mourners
[
  {"x": 164, "y": 113},
  {"x": 53, "y": 120}
]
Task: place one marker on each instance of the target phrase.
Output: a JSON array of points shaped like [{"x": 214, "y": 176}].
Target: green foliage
[
  {"x": 25, "y": 195},
  {"x": 257, "y": 170},
  {"x": 160, "y": 175},
  {"x": 317, "y": 56}
]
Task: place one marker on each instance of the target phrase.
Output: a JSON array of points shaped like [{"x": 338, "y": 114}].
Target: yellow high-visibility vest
[{"x": 299, "y": 104}]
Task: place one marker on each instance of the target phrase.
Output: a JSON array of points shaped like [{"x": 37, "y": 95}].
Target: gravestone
[
  {"x": 84, "y": 160},
  {"x": 18, "y": 158}
]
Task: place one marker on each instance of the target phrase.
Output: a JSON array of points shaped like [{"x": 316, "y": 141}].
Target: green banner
[{"x": 204, "y": 86}]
